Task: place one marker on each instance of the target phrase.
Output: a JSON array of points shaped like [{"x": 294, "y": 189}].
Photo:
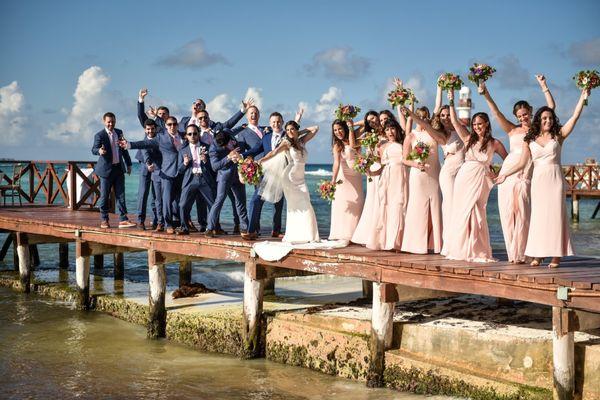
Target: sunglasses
[
  {"x": 171, "y": 124},
  {"x": 192, "y": 134},
  {"x": 202, "y": 118}
]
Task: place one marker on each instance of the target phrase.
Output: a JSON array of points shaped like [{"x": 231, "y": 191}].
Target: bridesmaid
[
  {"x": 369, "y": 212},
  {"x": 470, "y": 239},
  {"x": 388, "y": 230},
  {"x": 423, "y": 212},
  {"x": 454, "y": 157},
  {"x": 347, "y": 205},
  {"x": 513, "y": 194},
  {"x": 549, "y": 234}
]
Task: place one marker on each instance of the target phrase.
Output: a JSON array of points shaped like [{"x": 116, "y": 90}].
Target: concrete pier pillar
[
  {"x": 98, "y": 261},
  {"x": 575, "y": 208},
  {"x": 24, "y": 261},
  {"x": 157, "y": 278},
  {"x": 63, "y": 255},
  {"x": 254, "y": 287},
  {"x": 82, "y": 274},
  {"x": 119, "y": 266},
  {"x": 185, "y": 273},
  {"x": 563, "y": 353},
  {"x": 382, "y": 319}
]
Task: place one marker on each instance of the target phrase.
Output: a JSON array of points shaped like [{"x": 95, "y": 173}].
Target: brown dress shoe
[
  {"x": 170, "y": 231},
  {"x": 210, "y": 233},
  {"x": 276, "y": 234},
  {"x": 104, "y": 225},
  {"x": 191, "y": 227},
  {"x": 248, "y": 236},
  {"x": 160, "y": 228},
  {"x": 220, "y": 232}
]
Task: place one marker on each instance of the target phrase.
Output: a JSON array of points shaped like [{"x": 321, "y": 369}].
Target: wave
[{"x": 319, "y": 172}]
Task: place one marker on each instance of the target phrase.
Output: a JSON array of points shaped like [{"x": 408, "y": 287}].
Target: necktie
[
  {"x": 114, "y": 147},
  {"x": 195, "y": 156},
  {"x": 175, "y": 142},
  {"x": 258, "y": 132}
]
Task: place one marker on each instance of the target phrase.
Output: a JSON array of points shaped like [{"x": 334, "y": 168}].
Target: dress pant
[
  {"x": 198, "y": 188},
  {"x": 256, "y": 205},
  {"x": 239, "y": 194},
  {"x": 158, "y": 193},
  {"x": 116, "y": 180},
  {"x": 144, "y": 188},
  {"x": 170, "y": 196},
  {"x": 202, "y": 210}
]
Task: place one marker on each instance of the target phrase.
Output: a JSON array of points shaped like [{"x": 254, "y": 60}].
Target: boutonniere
[{"x": 267, "y": 130}]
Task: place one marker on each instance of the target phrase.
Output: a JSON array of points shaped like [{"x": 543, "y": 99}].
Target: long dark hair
[
  {"x": 295, "y": 143},
  {"x": 521, "y": 104},
  {"x": 535, "y": 129},
  {"x": 334, "y": 139},
  {"x": 487, "y": 136},
  {"x": 392, "y": 123},
  {"x": 367, "y": 125},
  {"x": 389, "y": 114}
]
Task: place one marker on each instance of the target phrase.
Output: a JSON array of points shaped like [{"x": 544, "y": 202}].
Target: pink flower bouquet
[
  {"x": 420, "y": 152},
  {"x": 249, "y": 171},
  {"x": 401, "y": 96},
  {"x": 346, "y": 112},
  {"x": 480, "y": 73},
  {"x": 327, "y": 189},
  {"x": 450, "y": 81},
  {"x": 588, "y": 80}
]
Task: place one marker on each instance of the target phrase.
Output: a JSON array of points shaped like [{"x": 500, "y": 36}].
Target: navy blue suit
[
  {"x": 111, "y": 175},
  {"x": 227, "y": 178},
  {"x": 215, "y": 126},
  {"x": 248, "y": 139},
  {"x": 195, "y": 185},
  {"x": 168, "y": 173},
  {"x": 256, "y": 204}
]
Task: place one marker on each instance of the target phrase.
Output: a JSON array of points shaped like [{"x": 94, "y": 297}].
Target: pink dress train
[
  {"x": 513, "y": 201},
  {"x": 347, "y": 206},
  {"x": 424, "y": 202},
  {"x": 549, "y": 234},
  {"x": 454, "y": 157},
  {"x": 470, "y": 239},
  {"x": 388, "y": 230}
]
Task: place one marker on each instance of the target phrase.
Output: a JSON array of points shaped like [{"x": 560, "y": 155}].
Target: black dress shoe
[
  {"x": 191, "y": 227},
  {"x": 236, "y": 230},
  {"x": 154, "y": 226},
  {"x": 210, "y": 233},
  {"x": 220, "y": 232},
  {"x": 181, "y": 231},
  {"x": 202, "y": 229}
]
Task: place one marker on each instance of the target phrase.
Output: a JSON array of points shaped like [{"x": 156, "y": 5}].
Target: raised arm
[
  {"x": 312, "y": 131},
  {"x": 567, "y": 128},
  {"x": 544, "y": 86},
  {"x": 438, "y": 136},
  {"x": 142, "y": 117},
  {"x": 504, "y": 123},
  {"x": 438, "y": 99},
  {"x": 462, "y": 131},
  {"x": 284, "y": 145},
  {"x": 525, "y": 156},
  {"x": 351, "y": 134},
  {"x": 299, "y": 115}
]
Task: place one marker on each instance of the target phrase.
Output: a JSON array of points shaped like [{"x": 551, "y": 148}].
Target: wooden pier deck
[{"x": 574, "y": 286}]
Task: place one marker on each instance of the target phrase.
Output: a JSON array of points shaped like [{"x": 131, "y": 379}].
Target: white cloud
[
  {"x": 84, "y": 119},
  {"x": 192, "y": 55},
  {"x": 221, "y": 107},
  {"x": 323, "y": 110},
  {"x": 339, "y": 63},
  {"x": 255, "y": 93},
  {"x": 11, "y": 117}
]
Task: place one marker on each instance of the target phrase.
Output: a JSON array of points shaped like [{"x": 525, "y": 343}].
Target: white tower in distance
[{"x": 464, "y": 103}]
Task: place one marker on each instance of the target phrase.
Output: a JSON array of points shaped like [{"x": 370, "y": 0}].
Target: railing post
[
  {"x": 50, "y": 183},
  {"x": 72, "y": 185}
]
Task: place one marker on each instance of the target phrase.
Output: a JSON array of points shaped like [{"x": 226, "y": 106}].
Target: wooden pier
[
  {"x": 582, "y": 182},
  {"x": 572, "y": 288}
]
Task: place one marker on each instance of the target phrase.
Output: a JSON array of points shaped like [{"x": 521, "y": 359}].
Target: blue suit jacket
[
  {"x": 225, "y": 168},
  {"x": 151, "y": 156},
  {"x": 215, "y": 126},
  {"x": 104, "y": 164},
  {"x": 142, "y": 117},
  {"x": 168, "y": 151},
  {"x": 248, "y": 139},
  {"x": 263, "y": 147},
  {"x": 186, "y": 171}
]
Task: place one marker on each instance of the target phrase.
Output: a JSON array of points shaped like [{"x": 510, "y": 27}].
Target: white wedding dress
[{"x": 284, "y": 174}]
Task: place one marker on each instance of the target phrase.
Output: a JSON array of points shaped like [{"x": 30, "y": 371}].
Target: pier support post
[
  {"x": 22, "y": 246},
  {"x": 6, "y": 246},
  {"x": 382, "y": 318},
  {"x": 82, "y": 274},
  {"x": 575, "y": 208},
  {"x": 185, "y": 273},
  {"x": 269, "y": 287},
  {"x": 63, "y": 255},
  {"x": 15, "y": 253},
  {"x": 563, "y": 353},
  {"x": 254, "y": 287},
  {"x": 119, "y": 266},
  {"x": 157, "y": 278},
  {"x": 34, "y": 254},
  {"x": 98, "y": 261},
  {"x": 367, "y": 289}
]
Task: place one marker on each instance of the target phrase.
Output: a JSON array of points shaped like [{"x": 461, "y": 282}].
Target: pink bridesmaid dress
[
  {"x": 424, "y": 203},
  {"x": 549, "y": 234},
  {"x": 470, "y": 239},
  {"x": 454, "y": 156},
  {"x": 368, "y": 218},
  {"x": 347, "y": 206},
  {"x": 388, "y": 230},
  {"x": 513, "y": 200}
]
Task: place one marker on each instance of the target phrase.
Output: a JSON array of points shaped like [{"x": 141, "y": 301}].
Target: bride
[{"x": 284, "y": 174}]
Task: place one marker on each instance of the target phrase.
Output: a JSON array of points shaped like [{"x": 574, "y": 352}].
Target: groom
[{"x": 271, "y": 139}]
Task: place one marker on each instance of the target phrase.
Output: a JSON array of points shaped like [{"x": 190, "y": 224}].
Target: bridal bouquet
[
  {"x": 346, "y": 112},
  {"x": 480, "y": 73},
  {"x": 370, "y": 140},
  {"x": 327, "y": 189},
  {"x": 362, "y": 163},
  {"x": 400, "y": 96},
  {"x": 588, "y": 79},
  {"x": 420, "y": 152},
  {"x": 450, "y": 81},
  {"x": 249, "y": 171}
]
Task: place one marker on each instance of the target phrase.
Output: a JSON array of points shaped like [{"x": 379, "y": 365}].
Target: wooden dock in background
[{"x": 573, "y": 287}]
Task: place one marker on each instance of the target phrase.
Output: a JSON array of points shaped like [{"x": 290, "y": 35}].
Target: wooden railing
[
  {"x": 45, "y": 182},
  {"x": 582, "y": 179}
]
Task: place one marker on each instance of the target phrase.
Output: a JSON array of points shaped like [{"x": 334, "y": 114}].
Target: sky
[{"x": 65, "y": 63}]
